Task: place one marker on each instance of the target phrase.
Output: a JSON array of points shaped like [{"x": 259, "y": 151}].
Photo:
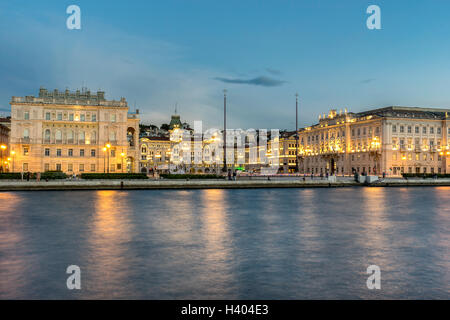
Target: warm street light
[
  {"x": 122, "y": 155},
  {"x": 14, "y": 155},
  {"x": 108, "y": 146},
  {"x": 104, "y": 160}
]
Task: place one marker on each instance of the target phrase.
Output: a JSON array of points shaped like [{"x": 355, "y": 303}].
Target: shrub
[
  {"x": 10, "y": 175},
  {"x": 51, "y": 175},
  {"x": 191, "y": 176},
  {"x": 119, "y": 176}
]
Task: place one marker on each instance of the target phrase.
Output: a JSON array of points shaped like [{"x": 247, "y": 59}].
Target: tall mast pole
[
  {"x": 296, "y": 132},
  {"x": 224, "y": 130}
]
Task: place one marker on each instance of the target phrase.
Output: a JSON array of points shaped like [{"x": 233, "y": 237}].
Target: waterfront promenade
[{"x": 258, "y": 182}]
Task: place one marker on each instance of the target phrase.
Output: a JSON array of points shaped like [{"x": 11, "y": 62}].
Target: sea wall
[{"x": 208, "y": 184}]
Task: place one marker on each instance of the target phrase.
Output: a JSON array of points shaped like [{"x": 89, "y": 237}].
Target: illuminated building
[
  {"x": 391, "y": 140},
  {"x": 73, "y": 132}
]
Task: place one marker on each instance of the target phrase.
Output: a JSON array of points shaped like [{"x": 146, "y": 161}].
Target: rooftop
[{"x": 83, "y": 97}]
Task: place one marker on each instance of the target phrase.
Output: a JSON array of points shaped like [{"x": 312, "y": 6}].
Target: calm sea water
[{"x": 226, "y": 244}]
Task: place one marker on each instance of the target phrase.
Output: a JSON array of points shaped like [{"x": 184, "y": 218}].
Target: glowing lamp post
[
  {"x": 108, "y": 146},
  {"x": 13, "y": 153},
  {"x": 122, "y": 155},
  {"x": 104, "y": 160}
]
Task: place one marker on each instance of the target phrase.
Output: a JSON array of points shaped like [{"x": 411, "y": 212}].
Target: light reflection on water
[{"x": 226, "y": 244}]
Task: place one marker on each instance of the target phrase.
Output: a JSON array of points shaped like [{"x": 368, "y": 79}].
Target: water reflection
[
  {"x": 110, "y": 233},
  {"x": 224, "y": 244},
  {"x": 218, "y": 250},
  {"x": 13, "y": 257}
]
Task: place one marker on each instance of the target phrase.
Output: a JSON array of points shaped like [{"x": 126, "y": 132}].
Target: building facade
[
  {"x": 390, "y": 140},
  {"x": 155, "y": 154},
  {"x": 73, "y": 132},
  {"x": 5, "y": 160}
]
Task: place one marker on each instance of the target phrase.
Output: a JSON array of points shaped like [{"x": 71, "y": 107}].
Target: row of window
[
  {"x": 60, "y": 116},
  {"x": 71, "y": 117},
  {"x": 81, "y": 167},
  {"x": 417, "y": 170},
  {"x": 71, "y": 154},
  {"x": 364, "y": 131},
  {"x": 417, "y": 129},
  {"x": 417, "y": 156}
]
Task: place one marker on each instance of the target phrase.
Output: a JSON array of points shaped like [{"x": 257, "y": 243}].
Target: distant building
[
  {"x": 394, "y": 140},
  {"x": 155, "y": 154},
  {"x": 5, "y": 160},
  {"x": 73, "y": 132}
]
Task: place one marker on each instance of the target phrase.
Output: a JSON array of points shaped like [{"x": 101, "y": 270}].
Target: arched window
[
  {"x": 81, "y": 137},
  {"x": 93, "y": 137},
  {"x": 70, "y": 137},
  {"x": 58, "y": 136},
  {"x": 47, "y": 136}
]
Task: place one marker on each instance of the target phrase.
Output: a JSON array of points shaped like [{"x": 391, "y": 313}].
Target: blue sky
[{"x": 161, "y": 53}]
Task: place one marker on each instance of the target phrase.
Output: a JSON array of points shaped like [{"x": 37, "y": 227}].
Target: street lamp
[
  {"x": 13, "y": 153},
  {"x": 122, "y": 155},
  {"x": 108, "y": 146},
  {"x": 104, "y": 160}
]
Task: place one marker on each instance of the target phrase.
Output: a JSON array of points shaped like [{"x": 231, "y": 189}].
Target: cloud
[
  {"x": 258, "y": 81},
  {"x": 365, "y": 81},
  {"x": 273, "y": 71}
]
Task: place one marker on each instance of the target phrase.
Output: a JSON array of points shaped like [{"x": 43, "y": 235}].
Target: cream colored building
[
  {"x": 391, "y": 140},
  {"x": 155, "y": 154},
  {"x": 73, "y": 132}
]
